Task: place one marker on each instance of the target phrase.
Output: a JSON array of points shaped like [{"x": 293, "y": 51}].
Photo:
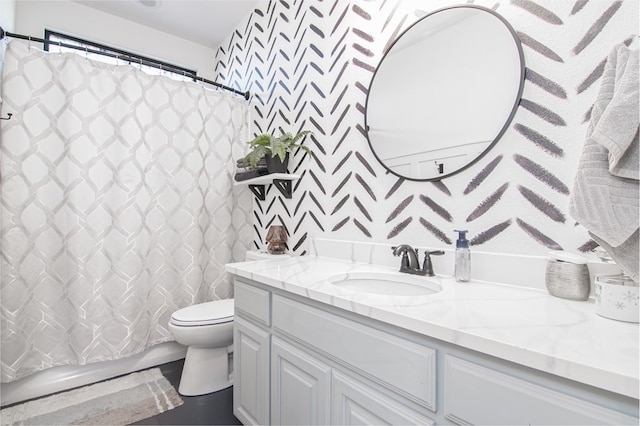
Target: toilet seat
[{"x": 208, "y": 313}]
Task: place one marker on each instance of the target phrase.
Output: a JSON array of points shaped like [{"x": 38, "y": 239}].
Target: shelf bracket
[
  {"x": 258, "y": 191},
  {"x": 284, "y": 186}
]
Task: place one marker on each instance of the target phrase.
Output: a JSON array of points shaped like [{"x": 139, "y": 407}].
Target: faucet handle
[{"x": 427, "y": 266}]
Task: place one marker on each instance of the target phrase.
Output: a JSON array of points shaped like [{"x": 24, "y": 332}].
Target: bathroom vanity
[{"x": 314, "y": 345}]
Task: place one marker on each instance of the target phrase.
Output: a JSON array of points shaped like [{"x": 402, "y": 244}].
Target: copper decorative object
[{"x": 277, "y": 238}]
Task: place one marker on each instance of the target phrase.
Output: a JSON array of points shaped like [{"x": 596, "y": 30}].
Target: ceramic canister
[
  {"x": 616, "y": 297},
  {"x": 567, "y": 276}
]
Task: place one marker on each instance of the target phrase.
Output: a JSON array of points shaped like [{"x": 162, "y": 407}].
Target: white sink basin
[{"x": 386, "y": 283}]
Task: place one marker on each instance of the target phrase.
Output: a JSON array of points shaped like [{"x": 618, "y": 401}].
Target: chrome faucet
[
  {"x": 410, "y": 263},
  {"x": 409, "y": 257}
]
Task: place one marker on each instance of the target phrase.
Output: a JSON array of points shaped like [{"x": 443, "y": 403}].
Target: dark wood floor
[{"x": 212, "y": 409}]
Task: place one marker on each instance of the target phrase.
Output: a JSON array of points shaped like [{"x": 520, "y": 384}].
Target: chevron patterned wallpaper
[{"x": 308, "y": 65}]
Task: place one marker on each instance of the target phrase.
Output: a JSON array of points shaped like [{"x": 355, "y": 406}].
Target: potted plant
[{"x": 275, "y": 150}]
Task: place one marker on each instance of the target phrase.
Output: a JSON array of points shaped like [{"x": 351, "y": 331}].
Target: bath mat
[{"x": 119, "y": 401}]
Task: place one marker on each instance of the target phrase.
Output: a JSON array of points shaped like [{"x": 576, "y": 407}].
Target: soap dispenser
[{"x": 463, "y": 257}]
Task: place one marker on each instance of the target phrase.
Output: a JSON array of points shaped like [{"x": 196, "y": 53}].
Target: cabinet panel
[
  {"x": 406, "y": 366},
  {"x": 300, "y": 387},
  {"x": 353, "y": 403},
  {"x": 474, "y": 394},
  {"x": 252, "y": 302},
  {"x": 251, "y": 373}
]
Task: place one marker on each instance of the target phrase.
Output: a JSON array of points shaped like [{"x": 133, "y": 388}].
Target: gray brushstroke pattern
[
  {"x": 366, "y": 186},
  {"x": 539, "y": 47},
  {"x": 435, "y": 231},
  {"x": 588, "y": 246},
  {"x": 342, "y": 162},
  {"x": 592, "y": 77},
  {"x": 545, "y": 206},
  {"x": 542, "y": 112},
  {"x": 394, "y": 188},
  {"x": 486, "y": 171},
  {"x": 539, "y": 11},
  {"x": 341, "y": 223},
  {"x": 362, "y": 228},
  {"x": 340, "y": 204},
  {"x": 597, "y": 27},
  {"x": 487, "y": 203},
  {"x": 539, "y": 140},
  {"x": 538, "y": 235},
  {"x": 442, "y": 187},
  {"x": 542, "y": 174},
  {"x": 577, "y": 7},
  {"x": 403, "y": 205},
  {"x": 399, "y": 227},
  {"x": 362, "y": 209},
  {"x": 546, "y": 84},
  {"x": 437, "y": 209},
  {"x": 490, "y": 233}
]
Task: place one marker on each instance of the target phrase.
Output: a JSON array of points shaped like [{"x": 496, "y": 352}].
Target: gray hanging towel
[{"x": 604, "y": 197}]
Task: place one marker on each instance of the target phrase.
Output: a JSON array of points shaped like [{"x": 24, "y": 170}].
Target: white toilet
[{"x": 207, "y": 330}]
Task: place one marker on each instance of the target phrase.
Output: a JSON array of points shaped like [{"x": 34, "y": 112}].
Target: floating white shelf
[{"x": 282, "y": 181}]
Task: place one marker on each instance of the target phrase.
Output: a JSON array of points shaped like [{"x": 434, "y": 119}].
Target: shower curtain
[{"x": 117, "y": 206}]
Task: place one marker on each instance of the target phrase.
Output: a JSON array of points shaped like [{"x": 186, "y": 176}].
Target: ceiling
[{"x": 207, "y": 22}]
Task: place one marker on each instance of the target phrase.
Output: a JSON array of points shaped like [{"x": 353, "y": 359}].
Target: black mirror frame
[{"x": 508, "y": 120}]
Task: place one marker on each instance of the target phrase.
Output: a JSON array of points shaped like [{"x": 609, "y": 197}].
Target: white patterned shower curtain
[{"x": 117, "y": 205}]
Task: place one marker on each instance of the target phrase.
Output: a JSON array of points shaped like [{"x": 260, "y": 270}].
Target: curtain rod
[{"x": 143, "y": 60}]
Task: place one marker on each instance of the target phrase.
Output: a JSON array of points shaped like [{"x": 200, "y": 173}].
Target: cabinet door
[
  {"x": 475, "y": 394},
  {"x": 300, "y": 387},
  {"x": 354, "y": 403},
  {"x": 251, "y": 373}
]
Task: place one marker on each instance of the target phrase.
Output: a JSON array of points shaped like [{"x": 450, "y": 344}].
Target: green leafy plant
[{"x": 267, "y": 144}]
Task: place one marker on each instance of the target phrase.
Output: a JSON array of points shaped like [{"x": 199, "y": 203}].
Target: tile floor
[{"x": 212, "y": 409}]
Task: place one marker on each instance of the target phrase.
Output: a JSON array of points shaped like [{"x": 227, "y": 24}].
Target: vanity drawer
[
  {"x": 408, "y": 368},
  {"x": 356, "y": 403},
  {"x": 475, "y": 394},
  {"x": 252, "y": 302}
]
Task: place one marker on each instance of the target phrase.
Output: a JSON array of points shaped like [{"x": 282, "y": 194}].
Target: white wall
[
  {"x": 33, "y": 17},
  {"x": 514, "y": 200},
  {"x": 7, "y": 14}
]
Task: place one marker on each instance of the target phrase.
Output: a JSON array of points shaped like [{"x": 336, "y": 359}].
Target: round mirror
[{"x": 444, "y": 92}]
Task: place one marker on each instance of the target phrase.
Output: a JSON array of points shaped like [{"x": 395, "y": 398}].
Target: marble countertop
[{"x": 519, "y": 324}]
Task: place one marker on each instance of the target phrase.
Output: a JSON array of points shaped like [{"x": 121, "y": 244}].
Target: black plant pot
[{"x": 275, "y": 165}]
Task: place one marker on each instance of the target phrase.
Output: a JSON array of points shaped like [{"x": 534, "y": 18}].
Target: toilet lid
[{"x": 215, "y": 312}]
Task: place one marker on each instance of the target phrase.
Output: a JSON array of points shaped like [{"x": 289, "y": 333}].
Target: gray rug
[{"x": 119, "y": 401}]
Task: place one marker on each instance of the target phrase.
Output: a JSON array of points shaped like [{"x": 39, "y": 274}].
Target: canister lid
[{"x": 565, "y": 256}]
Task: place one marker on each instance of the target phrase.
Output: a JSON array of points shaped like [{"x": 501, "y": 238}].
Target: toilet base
[{"x": 205, "y": 370}]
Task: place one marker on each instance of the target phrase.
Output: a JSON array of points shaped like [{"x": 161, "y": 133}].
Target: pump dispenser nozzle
[
  {"x": 462, "y": 239},
  {"x": 463, "y": 257}
]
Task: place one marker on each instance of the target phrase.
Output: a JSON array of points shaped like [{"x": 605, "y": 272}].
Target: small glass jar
[{"x": 616, "y": 297}]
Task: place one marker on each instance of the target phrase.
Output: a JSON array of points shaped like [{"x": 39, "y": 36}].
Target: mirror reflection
[{"x": 444, "y": 93}]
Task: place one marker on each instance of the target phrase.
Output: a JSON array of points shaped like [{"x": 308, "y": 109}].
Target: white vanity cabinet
[
  {"x": 300, "y": 361},
  {"x": 251, "y": 372},
  {"x": 300, "y": 386}
]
